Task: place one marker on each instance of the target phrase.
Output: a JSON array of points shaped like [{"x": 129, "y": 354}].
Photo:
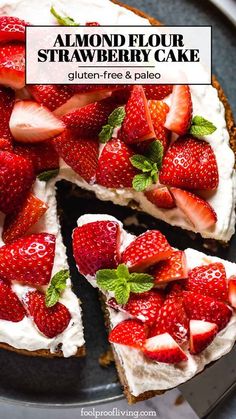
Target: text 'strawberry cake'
[{"x": 170, "y": 312}]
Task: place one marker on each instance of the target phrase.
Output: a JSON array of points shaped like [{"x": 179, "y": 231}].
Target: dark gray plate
[{"x": 73, "y": 382}]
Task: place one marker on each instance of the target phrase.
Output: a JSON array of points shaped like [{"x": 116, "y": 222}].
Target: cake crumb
[
  {"x": 180, "y": 400},
  {"x": 106, "y": 358}
]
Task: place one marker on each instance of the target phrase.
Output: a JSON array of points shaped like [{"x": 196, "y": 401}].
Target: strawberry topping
[
  {"x": 10, "y": 306},
  {"x": 129, "y": 332}
]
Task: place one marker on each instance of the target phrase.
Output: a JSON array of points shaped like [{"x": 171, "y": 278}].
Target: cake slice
[{"x": 169, "y": 312}]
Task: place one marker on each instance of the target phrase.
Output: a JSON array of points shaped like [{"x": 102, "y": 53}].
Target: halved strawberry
[
  {"x": 208, "y": 280},
  {"x": 31, "y": 122},
  {"x": 157, "y": 91},
  {"x": 130, "y": 333},
  {"x": 232, "y": 291},
  {"x": 12, "y": 29},
  {"x": 7, "y": 100},
  {"x": 146, "y": 250},
  {"x": 12, "y": 65},
  {"x": 79, "y": 153},
  {"x": 51, "y": 321},
  {"x": 190, "y": 163},
  {"x": 171, "y": 269},
  {"x": 198, "y": 211},
  {"x": 179, "y": 117},
  {"x": 29, "y": 259},
  {"x": 145, "y": 306},
  {"x": 96, "y": 246},
  {"x": 42, "y": 155},
  {"x": 16, "y": 178},
  {"x": 202, "y": 307},
  {"x": 163, "y": 348},
  {"x": 137, "y": 125},
  {"x": 158, "y": 111},
  {"x": 19, "y": 222},
  {"x": 114, "y": 167},
  {"x": 11, "y": 308},
  {"x": 50, "y": 95},
  {"x": 161, "y": 197},
  {"x": 201, "y": 335}
]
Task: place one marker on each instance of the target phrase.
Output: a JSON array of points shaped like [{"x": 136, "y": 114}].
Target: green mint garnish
[
  {"x": 47, "y": 175},
  {"x": 63, "y": 20},
  {"x": 57, "y": 285},
  {"x": 115, "y": 120},
  {"x": 149, "y": 166},
  {"x": 122, "y": 283},
  {"x": 201, "y": 126}
]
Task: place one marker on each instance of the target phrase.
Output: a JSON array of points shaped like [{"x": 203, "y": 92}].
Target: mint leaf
[
  {"x": 63, "y": 20},
  {"x": 47, "y": 175},
  {"x": 122, "y": 271},
  {"x": 105, "y": 134},
  {"x": 141, "y": 181},
  {"x": 138, "y": 161},
  {"x": 116, "y": 118},
  {"x": 155, "y": 153},
  {"x": 107, "y": 279},
  {"x": 140, "y": 282},
  {"x": 201, "y": 126},
  {"x": 122, "y": 292},
  {"x": 57, "y": 285}
]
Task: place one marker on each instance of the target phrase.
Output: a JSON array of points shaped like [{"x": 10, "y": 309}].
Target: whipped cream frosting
[{"x": 144, "y": 374}]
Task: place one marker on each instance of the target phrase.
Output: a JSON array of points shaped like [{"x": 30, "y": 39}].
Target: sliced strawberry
[
  {"x": 12, "y": 65},
  {"x": 12, "y": 29},
  {"x": 51, "y": 321},
  {"x": 10, "y": 306},
  {"x": 96, "y": 246},
  {"x": 79, "y": 153},
  {"x": 179, "y": 117},
  {"x": 202, "y": 307},
  {"x": 31, "y": 122},
  {"x": 201, "y": 335},
  {"x": 137, "y": 125},
  {"x": 161, "y": 197},
  {"x": 7, "y": 100},
  {"x": 42, "y": 155},
  {"x": 130, "y": 333},
  {"x": 145, "y": 306},
  {"x": 171, "y": 269},
  {"x": 190, "y": 164},
  {"x": 146, "y": 250},
  {"x": 208, "y": 280},
  {"x": 50, "y": 95},
  {"x": 158, "y": 111},
  {"x": 172, "y": 319},
  {"x": 232, "y": 291},
  {"x": 29, "y": 259},
  {"x": 16, "y": 178},
  {"x": 114, "y": 167},
  {"x": 163, "y": 348},
  {"x": 157, "y": 91},
  {"x": 19, "y": 222},
  {"x": 198, "y": 211}
]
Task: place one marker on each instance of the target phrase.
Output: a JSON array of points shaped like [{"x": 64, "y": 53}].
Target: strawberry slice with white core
[
  {"x": 31, "y": 122},
  {"x": 196, "y": 209},
  {"x": 171, "y": 269},
  {"x": 201, "y": 335},
  {"x": 12, "y": 65},
  {"x": 232, "y": 291},
  {"x": 161, "y": 197},
  {"x": 179, "y": 117},
  {"x": 130, "y": 332},
  {"x": 163, "y": 348}
]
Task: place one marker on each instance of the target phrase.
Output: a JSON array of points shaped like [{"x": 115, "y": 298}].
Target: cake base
[{"x": 44, "y": 353}]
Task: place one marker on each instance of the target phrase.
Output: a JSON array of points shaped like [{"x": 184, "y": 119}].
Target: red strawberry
[
  {"x": 121, "y": 96},
  {"x": 161, "y": 197},
  {"x": 180, "y": 114},
  {"x": 137, "y": 125},
  {"x": 50, "y": 95},
  {"x": 157, "y": 91},
  {"x": 51, "y": 321},
  {"x": 114, "y": 167},
  {"x": 42, "y": 155},
  {"x": 16, "y": 178},
  {"x": 190, "y": 164},
  {"x": 12, "y": 65},
  {"x": 10, "y": 306},
  {"x": 171, "y": 269},
  {"x": 158, "y": 111},
  {"x": 201, "y": 335},
  {"x": 145, "y": 306},
  {"x": 199, "y": 212},
  {"x": 7, "y": 99},
  {"x": 172, "y": 319},
  {"x": 29, "y": 259},
  {"x": 31, "y": 122},
  {"x": 208, "y": 280},
  {"x": 92, "y": 24},
  {"x": 12, "y": 29},
  {"x": 232, "y": 291},
  {"x": 129, "y": 332},
  {"x": 96, "y": 246},
  {"x": 19, "y": 222},
  {"x": 5, "y": 144},
  {"x": 80, "y": 154},
  {"x": 146, "y": 250},
  {"x": 163, "y": 348},
  {"x": 202, "y": 307}
]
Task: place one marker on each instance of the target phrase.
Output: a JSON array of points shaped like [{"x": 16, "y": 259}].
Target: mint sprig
[
  {"x": 57, "y": 285},
  {"x": 48, "y": 174},
  {"x": 115, "y": 120},
  {"x": 63, "y": 20},
  {"x": 122, "y": 283},
  {"x": 201, "y": 126},
  {"x": 149, "y": 165}
]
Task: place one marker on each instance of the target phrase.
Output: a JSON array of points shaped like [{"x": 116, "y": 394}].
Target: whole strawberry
[
  {"x": 129, "y": 332},
  {"x": 11, "y": 308}
]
